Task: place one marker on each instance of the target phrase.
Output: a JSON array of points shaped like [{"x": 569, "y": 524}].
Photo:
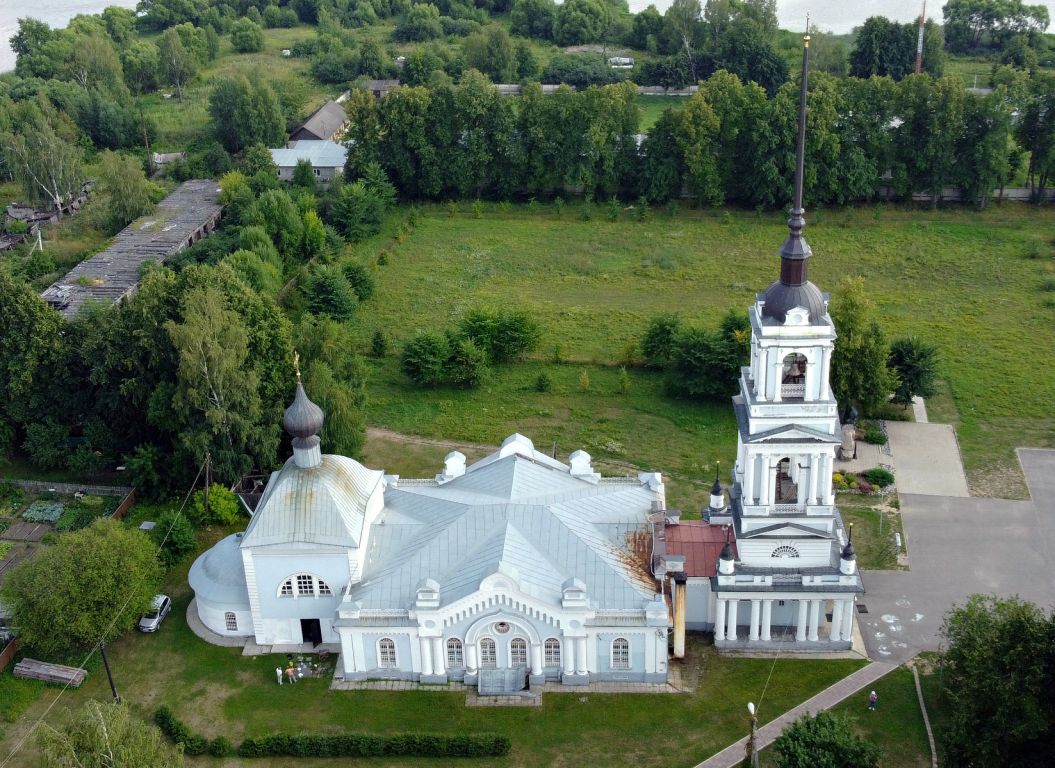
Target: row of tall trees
[{"x": 729, "y": 142}]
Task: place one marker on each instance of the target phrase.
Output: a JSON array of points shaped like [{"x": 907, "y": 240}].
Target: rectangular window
[
  {"x": 305, "y": 585},
  {"x": 552, "y": 652},
  {"x": 231, "y": 621},
  {"x": 316, "y": 171},
  {"x": 455, "y": 659}
]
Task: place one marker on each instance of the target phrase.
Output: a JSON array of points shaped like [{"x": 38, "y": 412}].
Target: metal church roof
[{"x": 314, "y": 505}]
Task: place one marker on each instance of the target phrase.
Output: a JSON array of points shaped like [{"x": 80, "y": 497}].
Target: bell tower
[{"x": 790, "y": 538}]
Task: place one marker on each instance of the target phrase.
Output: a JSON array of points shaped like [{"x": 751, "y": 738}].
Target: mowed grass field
[{"x": 978, "y": 285}]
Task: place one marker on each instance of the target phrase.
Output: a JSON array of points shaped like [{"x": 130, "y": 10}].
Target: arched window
[
  {"x": 386, "y": 653},
  {"x": 230, "y": 621},
  {"x": 793, "y": 377},
  {"x": 488, "y": 653},
  {"x": 517, "y": 652},
  {"x": 785, "y": 490},
  {"x": 552, "y": 658},
  {"x": 304, "y": 585},
  {"x": 785, "y": 551},
  {"x": 620, "y": 653},
  {"x": 455, "y": 657}
]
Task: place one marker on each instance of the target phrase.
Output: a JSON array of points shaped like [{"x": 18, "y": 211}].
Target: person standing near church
[
  {"x": 873, "y": 698},
  {"x": 278, "y": 674}
]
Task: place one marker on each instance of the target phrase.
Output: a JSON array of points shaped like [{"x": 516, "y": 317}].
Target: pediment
[
  {"x": 785, "y": 531},
  {"x": 793, "y": 433}
]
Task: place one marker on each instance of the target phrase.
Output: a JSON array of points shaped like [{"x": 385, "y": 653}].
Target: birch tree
[{"x": 45, "y": 163}]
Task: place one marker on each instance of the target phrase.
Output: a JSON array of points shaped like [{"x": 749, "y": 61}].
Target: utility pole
[
  {"x": 919, "y": 39},
  {"x": 109, "y": 676}
]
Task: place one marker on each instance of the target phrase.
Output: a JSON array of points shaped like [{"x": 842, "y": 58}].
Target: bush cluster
[
  {"x": 462, "y": 358},
  {"x": 879, "y": 477},
  {"x": 375, "y": 745},
  {"x": 177, "y": 730}
]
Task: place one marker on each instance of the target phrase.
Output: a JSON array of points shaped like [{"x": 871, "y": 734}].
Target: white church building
[{"x": 519, "y": 569}]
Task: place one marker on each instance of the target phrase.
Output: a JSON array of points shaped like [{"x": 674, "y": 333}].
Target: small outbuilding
[
  {"x": 326, "y": 158},
  {"x": 327, "y": 123}
]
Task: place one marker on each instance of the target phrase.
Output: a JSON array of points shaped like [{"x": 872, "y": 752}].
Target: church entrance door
[
  {"x": 498, "y": 681},
  {"x": 311, "y": 631}
]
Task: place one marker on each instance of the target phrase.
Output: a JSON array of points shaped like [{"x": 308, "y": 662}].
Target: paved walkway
[
  {"x": 733, "y": 755},
  {"x": 926, "y": 459},
  {"x": 958, "y": 547}
]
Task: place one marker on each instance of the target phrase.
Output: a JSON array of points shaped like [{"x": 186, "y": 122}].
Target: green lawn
[
  {"x": 874, "y": 528},
  {"x": 654, "y": 106},
  {"x": 957, "y": 278},
  {"x": 896, "y": 726},
  {"x": 218, "y": 691}
]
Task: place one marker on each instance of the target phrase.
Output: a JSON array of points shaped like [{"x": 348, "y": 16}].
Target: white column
[
  {"x": 827, "y": 492},
  {"x": 536, "y": 659},
  {"x": 848, "y": 620},
  {"x": 439, "y": 658},
  {"x": 580, "y": 656},
  {"x": 425, "y": 646},
  {"x": 719, "y": 619},
  {"x": 764, "y": 481},
  {"x": 777, "y": 371},
  {"x": 569, "y": 655},
  {"x": 815, "y": 620},
  {"x": 470, "y": 658},
  {"x": 767, "y": 619},
  {"x": 749, "y": 477},
  {"x": 763, "y": 374},
  {"x": 801, "y": 488},
  {"x": 756, "y": 608},
  {"x": 730, "y": 627},
  {"x": 826, "y": 360},
  {"x": 815, "y": 470},
  {"x": 800, "y": 627},
  {"x": 834, "y": 632}
]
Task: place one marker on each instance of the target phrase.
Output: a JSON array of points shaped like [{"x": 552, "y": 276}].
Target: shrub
[
  {"x": 425, "y": 358},
  {"x": 584, "y": 380},
  {"x": 879, "y": 477},
  {"x": 657, "y": 344},
  {"x": 875, "y": 436},
  {"x": 503, "y": 335},
  {"x": 174, "y": 535},
  {"x": 360, "y": 279},
  {"x": 221, "y": 746},
  {"x": 467, "y": 366},
  {"x": 544, "y": 382},
  {"x": 372, "y": 745},
  {"x": 624, "y": 381},
  {"x": 329, "y": 293},
  {"x": 378, "y": 344},
  {"x": 175, "y": 729},
  {"x": 864, "y": 486},
  {"x": 224, "y": 507}
]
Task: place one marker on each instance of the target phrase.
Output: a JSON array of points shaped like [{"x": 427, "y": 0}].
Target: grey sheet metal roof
[
  {"x": 527, "y": 516},
  {"x": 218, "y": 575},
  {"x": 321, "y": 154},
  {"x": 316, "y": 505},
  {"x": 324, "y": 122},
  {"x": 114, "y": 273}
]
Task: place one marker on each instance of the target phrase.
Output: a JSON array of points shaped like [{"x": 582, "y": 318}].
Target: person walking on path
[
  {"x": 278, "y": 674},
  {"x": 872, "y": 699}
]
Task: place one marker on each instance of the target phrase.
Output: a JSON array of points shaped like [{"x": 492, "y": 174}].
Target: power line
[{"x": 21, "y": 742}]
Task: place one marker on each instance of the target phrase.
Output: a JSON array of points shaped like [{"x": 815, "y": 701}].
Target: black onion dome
[
  {"x": 303, "y": 418},
  {"x": 727, "y": 552},
  {"x": 780, "y": 299},
  {"x": 848, "y": 551},
  {"x": 716, "y": 489}
]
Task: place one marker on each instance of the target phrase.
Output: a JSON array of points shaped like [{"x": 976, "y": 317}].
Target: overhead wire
[{"x": 128, "y": 598}]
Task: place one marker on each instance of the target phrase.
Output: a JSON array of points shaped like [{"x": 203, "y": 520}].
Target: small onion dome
[
  {"x": 848, "y": 551},
  {"x": 716, "y": 489},
  {"x": 726, "y": 553},
  {"x": 303, "y": 418}
]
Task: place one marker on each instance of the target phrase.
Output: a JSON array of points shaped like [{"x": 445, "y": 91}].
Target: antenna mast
[{"x": 919, "y": 39}]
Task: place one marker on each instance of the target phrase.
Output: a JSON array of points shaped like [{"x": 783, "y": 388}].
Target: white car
[{"x": 159, "y": 609}]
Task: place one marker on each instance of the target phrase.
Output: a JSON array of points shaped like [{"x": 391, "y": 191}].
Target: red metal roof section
[{"x": 700, "y": 543}]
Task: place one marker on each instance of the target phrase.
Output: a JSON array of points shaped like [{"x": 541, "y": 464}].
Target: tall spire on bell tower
[{"x": 794, "y": 288}]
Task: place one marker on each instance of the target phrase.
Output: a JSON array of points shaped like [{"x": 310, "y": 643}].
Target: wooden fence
[
  {"x": 8, "y": 653},
  {"x": 68, "y": 489}
]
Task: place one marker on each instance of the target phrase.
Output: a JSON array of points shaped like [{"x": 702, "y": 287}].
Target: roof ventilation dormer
[{"x": 453, "y": 466}]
